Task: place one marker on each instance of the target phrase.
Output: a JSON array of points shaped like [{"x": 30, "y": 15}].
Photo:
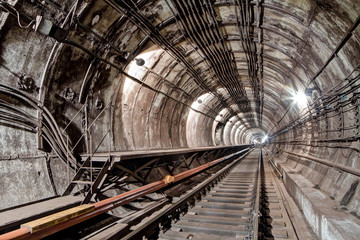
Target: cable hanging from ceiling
[
  {"x": 339, "y": 97},
  {"x": 129, "y": 9},
  {"x": 199, "y": 23},
  {"x": 245, "y": 18}
]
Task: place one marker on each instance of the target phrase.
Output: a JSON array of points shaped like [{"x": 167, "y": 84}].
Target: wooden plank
[
  {"x": 57, "y": 218},
  {"x": 17, "y": 216}
]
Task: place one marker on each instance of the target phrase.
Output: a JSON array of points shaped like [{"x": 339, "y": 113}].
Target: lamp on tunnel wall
[
  {"x": 299, "y": 98},
  {"x": 264, "y": 139},
  {"x": 139, "y": 61}
]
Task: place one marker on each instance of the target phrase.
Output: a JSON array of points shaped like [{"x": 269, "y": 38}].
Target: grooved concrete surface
[{"x": 327, "y": 220}]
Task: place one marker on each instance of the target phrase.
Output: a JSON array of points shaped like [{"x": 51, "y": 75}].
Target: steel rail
[
  {"x": 108, "y": 204},
  {"x": 256, "y": 211},
  {"x": 276, "y": 169},
  {"x": 136, "y": 234},
  {"x": 280, "y": 190}
]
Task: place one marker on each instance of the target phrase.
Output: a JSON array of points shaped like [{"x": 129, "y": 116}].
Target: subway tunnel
[{"x": 102, "y": 98}]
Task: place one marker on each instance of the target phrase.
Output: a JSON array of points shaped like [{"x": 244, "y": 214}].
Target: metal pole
[{"x": 67, "y": 158}]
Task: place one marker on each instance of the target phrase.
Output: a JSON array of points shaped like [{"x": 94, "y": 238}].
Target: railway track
[
  {"x": 275, "y": 221},
  {"x": 246, "y": 204},
  {"x": 244, "y": 199}
]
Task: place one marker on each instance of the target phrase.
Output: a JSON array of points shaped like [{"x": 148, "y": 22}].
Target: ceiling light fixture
[
  {"x": 299, "y": 98},
  {"x": 139, "y": 61},
  {"x": 265, "y": 138}
]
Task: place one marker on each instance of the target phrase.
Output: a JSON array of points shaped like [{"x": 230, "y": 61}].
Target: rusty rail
[
  {"x": 53, "y": 224},
  {"x": 172, "y": 209}
]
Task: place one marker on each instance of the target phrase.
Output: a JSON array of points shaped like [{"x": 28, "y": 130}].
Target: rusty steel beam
[{"x": 108, "y": 204}]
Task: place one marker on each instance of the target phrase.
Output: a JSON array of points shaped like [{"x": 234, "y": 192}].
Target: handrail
[
  {"x": 53, "y": 223},
  {"x": 347, "y": 169},
  {"x": 63, "y": 131},
  {"x": 91, "y": 124}
]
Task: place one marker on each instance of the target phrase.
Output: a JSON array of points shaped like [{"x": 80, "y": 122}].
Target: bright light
[
  {"x": 299, "y": 98},
  {"x": 265, "y": 138}
]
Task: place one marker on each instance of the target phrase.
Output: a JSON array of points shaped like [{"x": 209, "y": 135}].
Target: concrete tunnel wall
[{"x": 305, "y": 44}]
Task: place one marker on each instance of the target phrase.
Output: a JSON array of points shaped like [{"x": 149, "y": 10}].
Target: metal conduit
[
  {"x": 46, "y": 123},
  {"x": 350, "y": 170}
]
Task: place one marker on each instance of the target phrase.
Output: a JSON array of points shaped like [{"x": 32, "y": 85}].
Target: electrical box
[
  {"x": 43, "y": 26},
  {"x": 47, "y": 28}
]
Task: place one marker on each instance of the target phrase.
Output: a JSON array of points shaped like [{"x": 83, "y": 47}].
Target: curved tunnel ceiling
[{"x": 214, "y": 72}]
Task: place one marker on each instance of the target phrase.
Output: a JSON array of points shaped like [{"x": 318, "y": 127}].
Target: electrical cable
[{"x": 18, "y": 20}]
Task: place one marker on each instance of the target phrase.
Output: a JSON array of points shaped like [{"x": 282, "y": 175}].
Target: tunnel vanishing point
[{"x": 180, "y": 119}]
